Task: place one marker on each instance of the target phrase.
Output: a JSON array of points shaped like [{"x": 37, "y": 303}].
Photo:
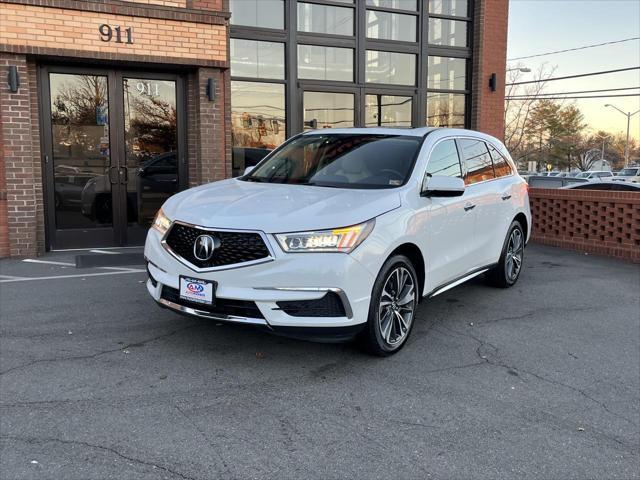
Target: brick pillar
[
  {"x": 489, "y": 56},
  {"x": 209, "y": 150},
  {"x": 21, "y": 160}
]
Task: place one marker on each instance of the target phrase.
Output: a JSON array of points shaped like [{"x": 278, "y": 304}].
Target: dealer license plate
[{"x": 198, "y": 291}]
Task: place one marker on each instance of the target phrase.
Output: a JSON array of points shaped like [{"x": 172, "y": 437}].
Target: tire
[
  {"x": 390, "y": 320},
  {"x": 507, "y": 272}
]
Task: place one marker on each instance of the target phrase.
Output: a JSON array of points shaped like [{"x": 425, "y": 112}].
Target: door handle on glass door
[{"x": 469, "y": 206}]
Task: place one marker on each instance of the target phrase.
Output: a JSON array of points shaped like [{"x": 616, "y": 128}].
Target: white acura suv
[{"x": 340, "y": 233}]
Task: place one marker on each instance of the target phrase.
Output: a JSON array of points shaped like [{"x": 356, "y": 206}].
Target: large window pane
[
  {"x": 325, "y": 19},
  {"x": 391, "y": 26},
  {"x": 257, "y": 59},
  {"x": 444, "y": 160},
  {"x": 445, "y": 110},
  {"x": 325, "y": 63},
  {"x": 478, "y": 161},
  {"x": 400, "y": 4},
  {"x": 455, "y": 8},
  {"x": 328, "y": 110},
  {"x": 258, "y": 121},
  {"x": 450, "y": 33},
  {"x": 445, "y": 73},
  {"x": 387, "y": 111},
  {"x": 257, "y": 13},
  {"x": 390, "y": 67}
]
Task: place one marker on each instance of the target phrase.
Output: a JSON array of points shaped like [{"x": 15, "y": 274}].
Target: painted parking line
[
  {"x": 55, "y": 277},
  {"x": 49, "y": 262}
]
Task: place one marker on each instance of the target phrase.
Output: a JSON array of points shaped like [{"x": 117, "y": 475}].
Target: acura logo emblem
[{"x": 204, "y": 247}]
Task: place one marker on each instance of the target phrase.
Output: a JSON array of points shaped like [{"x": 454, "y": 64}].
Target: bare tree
[
  {"x": 586, "y": 160},
  {"x": 517, "y": 112}
]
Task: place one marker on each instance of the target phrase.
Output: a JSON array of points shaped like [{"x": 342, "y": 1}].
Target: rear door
[
  {"x": 504, "y": 187},
  {"x": 481, "y": 197}
]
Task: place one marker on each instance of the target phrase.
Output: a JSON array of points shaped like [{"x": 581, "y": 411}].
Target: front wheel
[
  {"x": 507, "y": 272},
  {"x": 392, "y": 310}
]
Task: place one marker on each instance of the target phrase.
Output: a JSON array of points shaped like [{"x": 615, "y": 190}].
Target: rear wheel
[
  {"x": 392, "y": 310},
  {"x": 507, "y": 272}
]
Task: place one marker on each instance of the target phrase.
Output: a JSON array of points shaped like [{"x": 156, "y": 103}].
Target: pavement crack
[
  {"x": 34, "y": 440},
  {"x": 97, "y": 354},
  {"x": 483, "y": 344}
]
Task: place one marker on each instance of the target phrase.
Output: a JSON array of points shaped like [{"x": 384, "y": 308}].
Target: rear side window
[
  {"x": 501, "y": 166},
  {"x": 479, "y": 166},
  {"x": 444, "y": 160}
]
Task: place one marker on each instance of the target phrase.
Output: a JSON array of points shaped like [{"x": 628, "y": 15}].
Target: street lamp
[
  {"x": 603, "y": 138},
  {"x": 626, "y": 145}
]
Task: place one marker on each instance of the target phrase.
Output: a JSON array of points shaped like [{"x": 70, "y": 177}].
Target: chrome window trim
[
  {"x": 212, "y": 316},
  {"x": 338, "y": 291},
  {"x": 231, "y": 266}
]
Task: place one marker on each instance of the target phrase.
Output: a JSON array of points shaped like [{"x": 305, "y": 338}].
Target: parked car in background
[
  {"x": 544, "y": 181},
  {"x": 341, "y": 233},
  {"x": 591, "y": 175},
  {"x": 629, "y": 174},
  {"x": 606, "y": 185}
]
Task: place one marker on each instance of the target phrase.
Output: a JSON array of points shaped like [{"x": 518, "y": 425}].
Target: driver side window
[{"x": 444, "y": 160}]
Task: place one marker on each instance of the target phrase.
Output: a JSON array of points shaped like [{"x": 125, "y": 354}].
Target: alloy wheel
[
  {"x": 515, "y": 251},
  {"x": 396, "y": 307}
]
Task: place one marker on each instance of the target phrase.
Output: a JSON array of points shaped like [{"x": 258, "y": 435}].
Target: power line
[
  {"x": 571, "y": 98},
  {"x": 574, "y": 49},
  {"x": 582, "y": 91},
  {"x": 604, "y": 72}
]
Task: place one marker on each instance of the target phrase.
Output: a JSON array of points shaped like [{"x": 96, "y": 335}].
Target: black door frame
[{"x": 116, "y": 235}]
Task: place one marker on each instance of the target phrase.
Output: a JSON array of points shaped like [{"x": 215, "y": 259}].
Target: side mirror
[
  {"x": 248, "y": 170},
  {"x": 442, "y": 186}
]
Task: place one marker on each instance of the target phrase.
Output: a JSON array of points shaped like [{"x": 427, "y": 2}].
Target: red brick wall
[
  {"x": 594, "y": 221},
  {"x": 489, "y": 56},
  {"x": 21, "y": 161}
]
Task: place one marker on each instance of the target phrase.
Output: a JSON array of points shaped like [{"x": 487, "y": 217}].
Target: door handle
[
  {"x": 123, "y": 175},
  {"x": 506, "y": 196},
  {"x": 113, "y": 175},
  {"x": 469, "y": 206}
]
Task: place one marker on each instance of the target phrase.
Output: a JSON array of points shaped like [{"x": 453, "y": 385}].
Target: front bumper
[{"x": 287, "y": 278}]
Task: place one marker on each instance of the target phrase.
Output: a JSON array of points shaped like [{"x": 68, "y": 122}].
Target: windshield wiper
[{"x": 254, "y": 179}]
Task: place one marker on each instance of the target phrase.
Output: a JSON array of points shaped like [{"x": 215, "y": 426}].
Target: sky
[{"x": 539, "y": 26}]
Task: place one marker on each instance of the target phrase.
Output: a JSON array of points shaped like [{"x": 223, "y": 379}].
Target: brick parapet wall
[
  {"x": 593, "y": 221},
  {"x": 490, "y": 28}
]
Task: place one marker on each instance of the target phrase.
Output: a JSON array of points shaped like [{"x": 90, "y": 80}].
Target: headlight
[
  {"x": 161, "y": 223},
  {"x": 335, "y": 240}
]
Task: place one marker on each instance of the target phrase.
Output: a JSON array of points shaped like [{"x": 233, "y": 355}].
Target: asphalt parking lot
[{"x": 539, "y": 381}]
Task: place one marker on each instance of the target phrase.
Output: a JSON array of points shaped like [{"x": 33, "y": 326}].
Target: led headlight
[
  {"x": 335, "y": 240},
  {"x": 161, "y": 223}
]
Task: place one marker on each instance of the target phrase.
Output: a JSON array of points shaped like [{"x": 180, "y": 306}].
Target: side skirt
[{"x": 458, "y": 281}]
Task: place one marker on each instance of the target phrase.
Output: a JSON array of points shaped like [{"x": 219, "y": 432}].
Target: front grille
[
  {"x": 328, "y": 306},
  {"x": 235, "y": 247},
  {"x": 223, "y": 306}
]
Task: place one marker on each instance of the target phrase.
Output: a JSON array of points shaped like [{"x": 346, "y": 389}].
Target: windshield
[
  {"x": 341, "y": 161},
  {"x": 627, "y": 172}
]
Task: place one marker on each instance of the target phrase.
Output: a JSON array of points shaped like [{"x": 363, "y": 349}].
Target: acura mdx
[{"x": 339, "y": 234}]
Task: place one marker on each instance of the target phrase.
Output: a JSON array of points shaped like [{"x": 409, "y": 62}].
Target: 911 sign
[{"x": 109, "y": 33}]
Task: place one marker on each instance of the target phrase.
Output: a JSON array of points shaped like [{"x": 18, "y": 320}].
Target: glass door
[
  {"x": 328, "y": 109},
  {"x": 112, "y": 153},
  {"x": 78, "y": 159},
  {"x": 150, "y": 149}
]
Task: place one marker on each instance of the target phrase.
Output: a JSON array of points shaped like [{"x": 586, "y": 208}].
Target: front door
[{"x": 112, "y": 154}]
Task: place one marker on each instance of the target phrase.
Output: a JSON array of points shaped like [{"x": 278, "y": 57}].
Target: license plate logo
[{"x": 194, "y": 290}]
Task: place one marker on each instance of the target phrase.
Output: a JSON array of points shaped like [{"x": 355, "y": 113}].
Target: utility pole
[{"x": 626, "y": 145}]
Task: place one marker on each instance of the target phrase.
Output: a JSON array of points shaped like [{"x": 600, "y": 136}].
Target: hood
[{"x": 276, "y": 208}]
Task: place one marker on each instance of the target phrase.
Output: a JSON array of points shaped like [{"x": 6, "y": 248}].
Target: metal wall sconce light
[
  {"x": 493, "y": 82},
  {"x": 211, "y": 89},
  {"x": 13, "y": 79}
]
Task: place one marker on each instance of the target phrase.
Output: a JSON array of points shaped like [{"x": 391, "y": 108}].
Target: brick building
[{"x": 107, "y": 107}]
